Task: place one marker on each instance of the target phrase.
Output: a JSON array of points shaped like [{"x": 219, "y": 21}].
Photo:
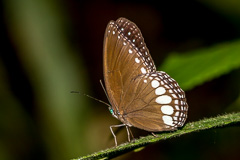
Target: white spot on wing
[
  {"x": 168, "y": 120},
  {"x": 130, "y": 51},
  {"x": 160, "y": 91},
  {"x": 166, "y": 109},
  {"x": 176, "y": 101},
  {"x": 166, "y": 86},
  {"x": 177, "y": 107},
  {"x": 137, "y": 60},
  {"x": 155, "y": 83},
  {"x": 143, "y": 70},
  {"x": 165, "y": 99},
  {"x": 174, "y": 95},
  {"x": 177, "y": 114}
]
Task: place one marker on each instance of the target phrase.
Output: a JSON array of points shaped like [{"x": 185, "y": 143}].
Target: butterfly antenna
[
  {"x": 92, "y": 98},
  {"x": 98, "y": 100},
  {"x": 104, "y": 90}
]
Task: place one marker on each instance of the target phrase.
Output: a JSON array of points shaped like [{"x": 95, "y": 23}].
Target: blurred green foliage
[
  {"x": 197, "y": 67},
  {"x": 38, "y": 29}
]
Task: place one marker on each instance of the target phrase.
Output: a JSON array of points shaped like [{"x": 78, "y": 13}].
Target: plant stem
[{"x": 207, "y": 123}]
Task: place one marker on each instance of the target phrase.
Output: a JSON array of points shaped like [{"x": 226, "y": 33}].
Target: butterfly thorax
[{"x": 119, "y": 116}]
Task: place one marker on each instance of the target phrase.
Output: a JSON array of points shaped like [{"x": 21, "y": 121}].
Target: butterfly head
[{"x": 112, "y": 112}]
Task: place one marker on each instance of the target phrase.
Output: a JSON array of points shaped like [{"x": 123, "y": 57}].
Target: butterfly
[{"x": 140, "y": 96}]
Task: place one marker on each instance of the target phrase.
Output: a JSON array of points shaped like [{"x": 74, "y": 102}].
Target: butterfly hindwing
[{"x": 159, "y": 103}]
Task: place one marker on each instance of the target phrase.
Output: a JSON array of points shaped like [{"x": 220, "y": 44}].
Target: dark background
[{"x": 50, "y": 48}]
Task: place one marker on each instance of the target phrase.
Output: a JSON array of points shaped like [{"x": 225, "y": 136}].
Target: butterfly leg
[
  {"x": 115, "y": 138},
  {"x": 129, "y": 139},
  {"x": 129, "y": 131},
  {"x": 154, "y": 134}
]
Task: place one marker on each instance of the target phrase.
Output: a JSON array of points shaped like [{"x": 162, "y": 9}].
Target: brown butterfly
[{"x": 140, "y": 96}]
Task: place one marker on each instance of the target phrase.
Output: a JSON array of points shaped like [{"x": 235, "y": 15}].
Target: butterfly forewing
[
  {"x": 140, "y": 96},
  {"x": 133, "y": 34},
  {"x": 123, "y": 59}
]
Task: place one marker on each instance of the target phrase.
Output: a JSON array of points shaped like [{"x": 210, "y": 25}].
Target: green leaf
[
  {"x": 219, "y": 121},
  {"x": 196, "y": 67}
]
